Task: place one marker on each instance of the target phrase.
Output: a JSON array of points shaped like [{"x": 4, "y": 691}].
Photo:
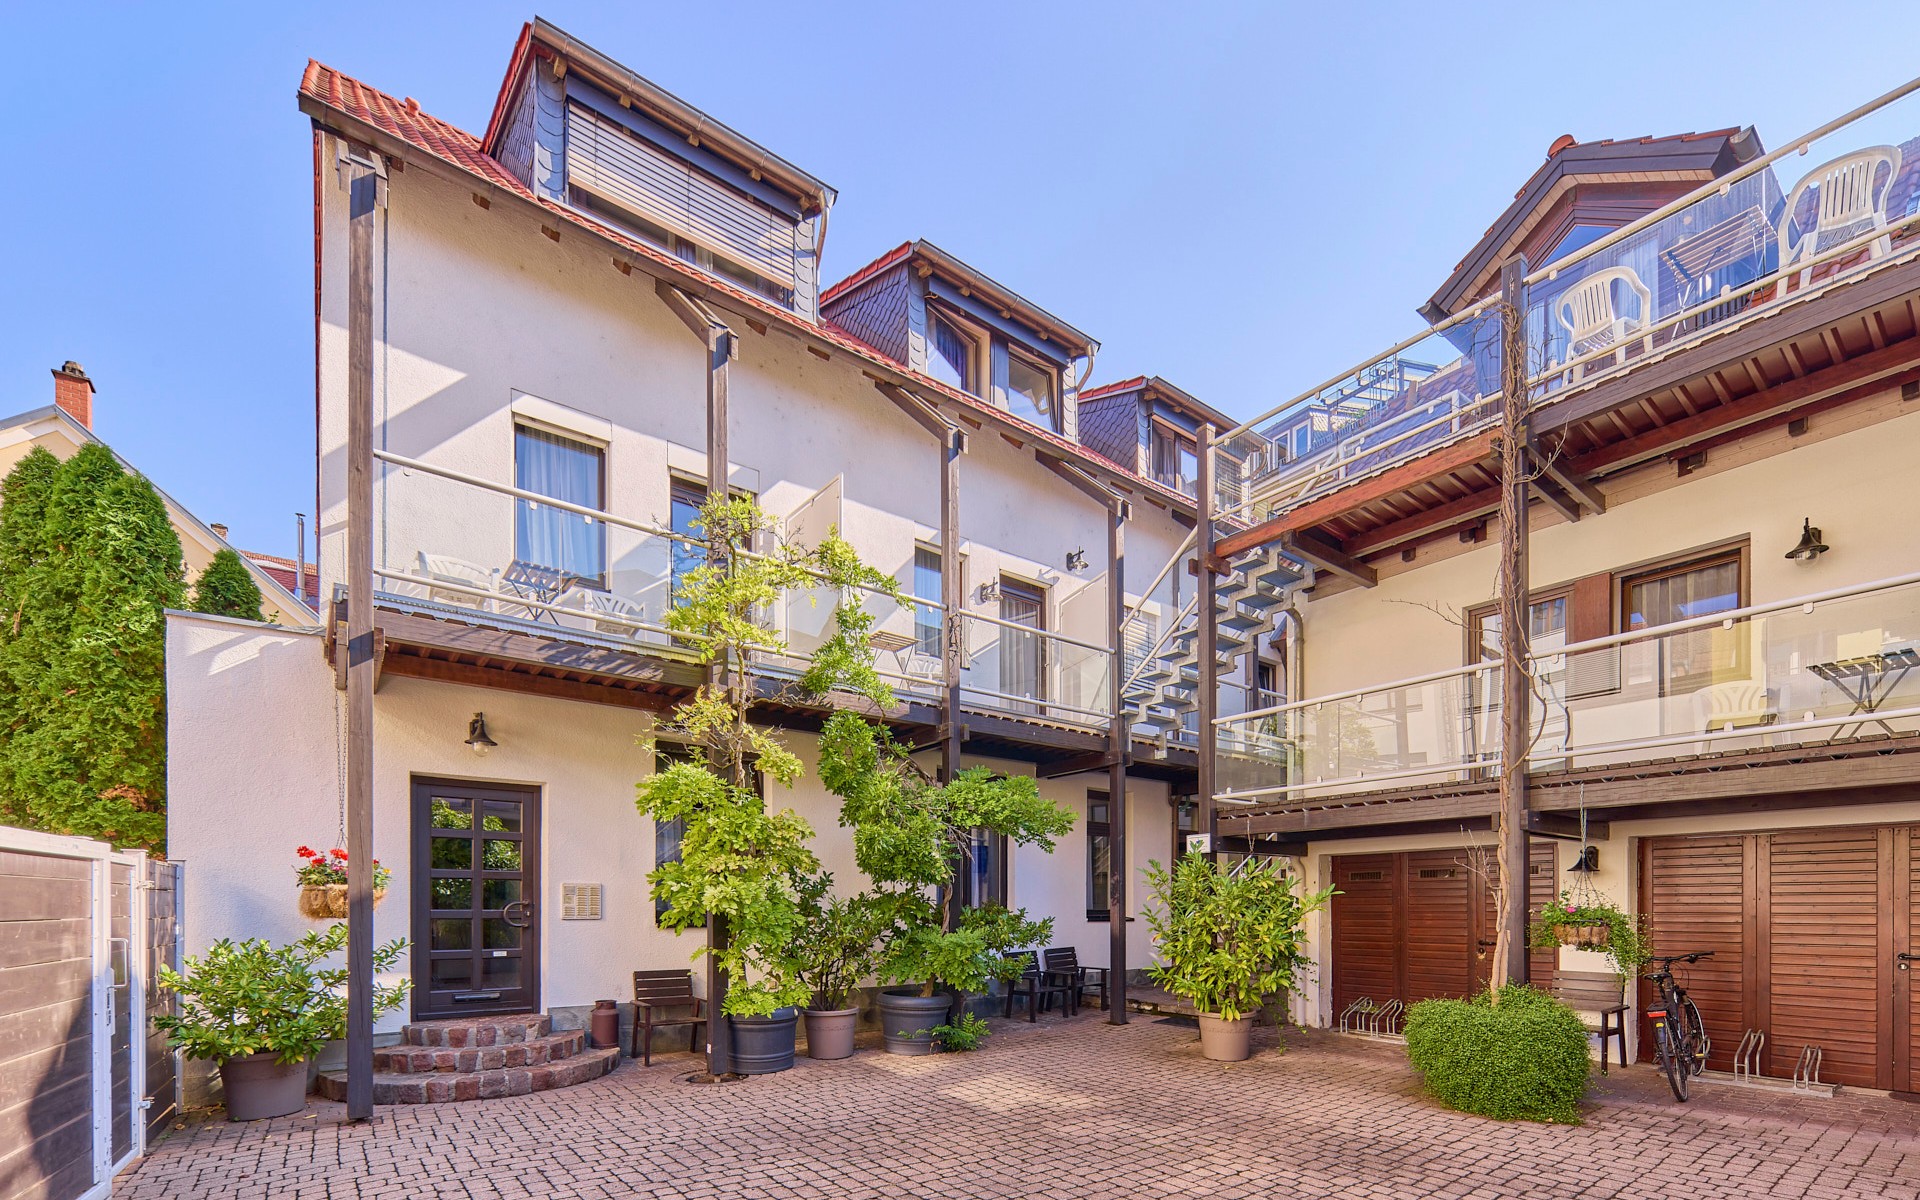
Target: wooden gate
[
  {"x": 1808, "y": 929},
  {"x": 81, "y": 929},
  {"x": 1412, "y": 925}
]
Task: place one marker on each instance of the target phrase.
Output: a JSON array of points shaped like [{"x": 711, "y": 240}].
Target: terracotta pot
[
  {"x": 329, "y": 901},
  {"x": 830, "y": 1032},
  {"x": 763, "y": 1045},
  {"x": 1225, "y": 1041},
  {"x": 258, "y": 1086},
  {"x": 907, "y": 1017}
]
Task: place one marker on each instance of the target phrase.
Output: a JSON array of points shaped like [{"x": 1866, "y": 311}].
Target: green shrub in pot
[
  {"x": 263, "y": 1011},
  {"x": 913, "y": 834},
  {"x": 1228, "y": 940},
  {"x": 841, "y": 943}
]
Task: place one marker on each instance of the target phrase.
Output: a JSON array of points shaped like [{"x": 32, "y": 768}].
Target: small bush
[{"x": 1523, "y": 1058}]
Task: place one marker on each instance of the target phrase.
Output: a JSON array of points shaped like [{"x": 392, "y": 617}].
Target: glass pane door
[
  {"x": 1022, "y": 655},
  {"x": 475, "y": 912}
]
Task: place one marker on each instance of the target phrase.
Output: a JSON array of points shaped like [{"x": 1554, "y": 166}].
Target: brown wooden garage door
[
  {"x": 1807, "y": 929},
  {"x": 1417, "y": 924}
]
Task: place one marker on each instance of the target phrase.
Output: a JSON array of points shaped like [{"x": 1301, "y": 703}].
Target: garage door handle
[
  {"x": 1901, "y": 960},
  {"x": 1485, "y": 944}
]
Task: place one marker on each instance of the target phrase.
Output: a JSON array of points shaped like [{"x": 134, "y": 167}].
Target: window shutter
[{"x": 618, "y": 167}]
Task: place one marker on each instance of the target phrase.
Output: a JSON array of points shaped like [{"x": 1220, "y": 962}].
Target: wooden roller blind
[{"x": 618, "y": 167}]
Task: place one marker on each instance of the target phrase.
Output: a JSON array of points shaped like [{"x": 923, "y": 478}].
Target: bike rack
[
  {"x": 1747, "y": 1059},
  {"x": 1354, "y": 1015},
  {"x": 1384, "y": 1018},
  {"x": 1806, "y": 1072}
]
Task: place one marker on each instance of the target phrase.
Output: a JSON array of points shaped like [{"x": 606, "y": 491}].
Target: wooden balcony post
[
  {"x": 1516, "y": 707},
  {"x": 364, "y": 177}
]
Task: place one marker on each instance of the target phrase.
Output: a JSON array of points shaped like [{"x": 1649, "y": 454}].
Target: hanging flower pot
[
  {"x": 323, "y": 883},
  {"x": 1596, "y": 936},
  {"x": 328, "y": 901}
]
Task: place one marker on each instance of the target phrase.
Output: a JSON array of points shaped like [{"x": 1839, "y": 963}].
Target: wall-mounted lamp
[
  {"x": 1586, "y": 862},
  {"x": 1076, "y": 560},
  {"x": 477, "y": 737},
  {"x": 988, "y": 593},
  {"x": 1810, "y": 547}
]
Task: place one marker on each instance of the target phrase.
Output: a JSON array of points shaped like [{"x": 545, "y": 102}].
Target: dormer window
[
  {"x": 952, "y": 356},
  {"x": 1032, "y": 392}
]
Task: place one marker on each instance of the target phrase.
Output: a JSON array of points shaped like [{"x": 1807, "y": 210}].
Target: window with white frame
[{"x": 554, "y": 538}]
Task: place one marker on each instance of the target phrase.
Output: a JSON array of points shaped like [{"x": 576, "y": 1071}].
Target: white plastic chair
[
  {"x": 1733, "y": 705},
  {"x": 1593, "y": 321},
  {"x": 458, "y": 572},
  {"x": 1852, "y": 194},
  {"x": 601, "y": 605}
]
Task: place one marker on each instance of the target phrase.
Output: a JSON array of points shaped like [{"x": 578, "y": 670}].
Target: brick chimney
[{"x": 73, "y": 392}]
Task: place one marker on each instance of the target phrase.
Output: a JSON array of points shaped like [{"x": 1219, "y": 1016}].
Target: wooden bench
[
  {"x": 654, "y": 992},
  {"x": 1600, "y": 994}
]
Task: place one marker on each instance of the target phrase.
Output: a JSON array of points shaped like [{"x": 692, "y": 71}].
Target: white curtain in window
[{"x": 550, "y": 537}]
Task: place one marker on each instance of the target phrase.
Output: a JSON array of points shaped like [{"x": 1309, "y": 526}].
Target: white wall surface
[{"x": 254, "y": 771}]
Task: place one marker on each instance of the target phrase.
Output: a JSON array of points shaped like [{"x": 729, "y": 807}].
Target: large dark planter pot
[
  {"x": 260, "y": 1085},
  {"x": 906, "y": 1017},
  {"x": 763, "y": 1045},
  {"x": 830, "y": 1032}
]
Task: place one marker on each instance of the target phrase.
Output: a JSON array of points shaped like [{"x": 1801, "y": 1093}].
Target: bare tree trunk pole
[{"x": 1516, "y": 709}]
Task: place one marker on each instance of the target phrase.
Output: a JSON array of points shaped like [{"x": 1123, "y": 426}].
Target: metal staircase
[{"x": 1162, "y": 692}]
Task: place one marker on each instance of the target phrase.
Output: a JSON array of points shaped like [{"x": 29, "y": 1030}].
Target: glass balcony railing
[
  {"x": 455, "y": 546},
  {"x": 1827, "y": 667},
  {"x": 1819, "y": 212}
]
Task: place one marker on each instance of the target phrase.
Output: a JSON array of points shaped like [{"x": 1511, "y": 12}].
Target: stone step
[
  {"x": 441, "y": 1087},
  {"x": 535, "y": 1052},
  {"x": 460, "y": 1032}
]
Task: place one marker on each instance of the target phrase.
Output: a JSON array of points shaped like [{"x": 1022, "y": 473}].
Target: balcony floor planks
[{"x": 1864, "y": 770}]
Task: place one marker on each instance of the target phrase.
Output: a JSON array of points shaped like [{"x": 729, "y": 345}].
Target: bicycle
[{"x": 1680, "y": 1040}]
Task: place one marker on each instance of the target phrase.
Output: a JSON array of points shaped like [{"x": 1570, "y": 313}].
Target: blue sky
[{"x": 1242, "y": 198}]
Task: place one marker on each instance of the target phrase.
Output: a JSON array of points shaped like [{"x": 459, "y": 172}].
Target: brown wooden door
[
  {"x": 1543, "y": 884},
  {"x": 1906, "y": 962},
  {"x": 1366, "y": 929},
  {"x": 1439, "y": 947},
  {"x": 1419, "y": 924},
  {"x": 1807, "y": 929},
  {"x": 476, "y": 926},
  {"x": 1824, "y": 975},
  {"x": 1695, "y": 896}
]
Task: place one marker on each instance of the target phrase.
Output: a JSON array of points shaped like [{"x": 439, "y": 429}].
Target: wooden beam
[
  {"x": 1206, "y": 815},
  {"x": 1574, "y": 483},
  {"x": 1554, "y": 498},
  {"x": 532, "y": 651},
  {"x": 363, "y": 176},
  {"x": 922, "y": 413},
  {"x": 1516, "y": 725},
  {"x": 1872, "y": 367},
  {"x": 1325, "y": 554},
  {"x": 1118, "y": 744},
  {"x": 1472, "y": 507},
  {"x": 1564, "y": 825},
  {"x": 466, "y": 674},
  {"x": 1443, "y": 461}
]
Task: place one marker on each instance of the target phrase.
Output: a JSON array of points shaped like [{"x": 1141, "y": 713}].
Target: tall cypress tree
[
  {"x": 226, "y": 588},
  {"x": 82, "y": 667}
]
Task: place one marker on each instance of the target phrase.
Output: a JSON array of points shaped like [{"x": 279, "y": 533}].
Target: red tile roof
[
  {"x": 282, "y": 571},
  {"x": 1109, "y": 389},
  {"x": 898, "y": 254},
  {"x": 405, "y": 121}
]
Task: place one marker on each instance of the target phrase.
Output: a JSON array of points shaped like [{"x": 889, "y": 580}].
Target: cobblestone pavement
[{"x": 1068, "y": 1108}]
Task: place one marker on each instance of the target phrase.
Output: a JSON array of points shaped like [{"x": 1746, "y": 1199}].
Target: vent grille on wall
[{"x": 579, "y": 902}]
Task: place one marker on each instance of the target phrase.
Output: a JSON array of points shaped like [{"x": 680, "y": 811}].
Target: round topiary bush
[{"x": 1522, "y": 1058}]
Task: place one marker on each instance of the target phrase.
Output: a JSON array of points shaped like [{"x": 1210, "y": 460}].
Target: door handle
[
  {"x": 520, "y": 919},
  {"x": 1901, "y": 961}
]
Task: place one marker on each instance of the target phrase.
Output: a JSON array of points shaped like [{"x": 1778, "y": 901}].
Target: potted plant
[
  {"x": 263, "y": 1011},
  {"x": 942, "y": 967},
  {"x": 1591, "y": 923},
  {"x": 911, "y": 834},
  {"x": 840, "y": 946},
  {"x": 1228, "y": 940},
  {"x": 743, "y": 867},
  {"x": 323, "y": 883}
]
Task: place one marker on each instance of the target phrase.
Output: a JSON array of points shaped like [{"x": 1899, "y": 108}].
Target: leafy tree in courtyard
[
  {"x": 88, "y": 563},
  {"x": 226, "y": 589},
  {"x": 738, "y": 860}
]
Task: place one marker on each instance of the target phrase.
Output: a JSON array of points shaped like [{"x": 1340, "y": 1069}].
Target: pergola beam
[{"x": 1319, "y": 552}]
